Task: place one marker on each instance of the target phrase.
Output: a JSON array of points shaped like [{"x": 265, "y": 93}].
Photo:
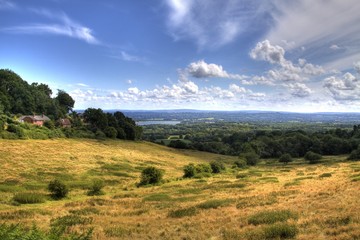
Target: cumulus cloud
[
  {"x": 285, "y": 70},
  {"x": 265, "y": 51},
  {"x": 201, "y": 69},
  {"x": 346, "y": 87},
  {"x": 64, "y": 25},
  {"x": 299, "y": 90}
]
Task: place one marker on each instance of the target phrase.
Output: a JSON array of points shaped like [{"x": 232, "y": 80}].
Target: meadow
[{"x": 268, "y": 201}]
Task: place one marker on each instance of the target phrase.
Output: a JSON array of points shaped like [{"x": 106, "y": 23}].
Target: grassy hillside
[{"x": 271, "y": 200}]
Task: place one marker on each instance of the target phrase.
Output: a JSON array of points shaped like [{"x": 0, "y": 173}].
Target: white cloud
[
  {"x": 357, "y": 67},
  {"x": 267, "y": 52},
  {"x": 284, "y": 70},
  {"x": 334, "y": 47},
  {"x": 210, "y": 23},
  {"x": 130, "y": 58},
  {"x": 317, "y": 25},
  {"x": 201, "y": 69},
  {"x": 82, "y": 85},
  {"x": 299, "y": 90},
  {"x": 64, "y": 26},
  {"x": 346, "y": 87}
]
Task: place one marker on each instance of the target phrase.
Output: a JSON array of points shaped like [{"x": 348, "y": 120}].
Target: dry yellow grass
[{"x": 328, "y": 207}]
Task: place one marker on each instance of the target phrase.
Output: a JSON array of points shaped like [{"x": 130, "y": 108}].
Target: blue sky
[{"x": 301, "y": 55}]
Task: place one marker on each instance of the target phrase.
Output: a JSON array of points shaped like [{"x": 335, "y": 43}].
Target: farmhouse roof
[{"x": 36, "y": 117}]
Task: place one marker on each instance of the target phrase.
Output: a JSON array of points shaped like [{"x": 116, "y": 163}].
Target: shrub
[
  {"x": 96, "y": 188},
  {"x": 49, "y": 124},
  {"x": 178, "y": 144},
  {"x": 183, "y": 212},
  {"x": 280, "y": 231},
  {"x": 57, "y": 189},
  {"x": 355, "y": 155},
  {"x": 216, "y": 166},
  {"x": 19, "y": 131},
  {"x": 269, "y": 217},
  {"x": 325, "y": 175},
  {"x": 28, "y": 198},
  {"x": 251, "y": 158},
  {"x": 203, "y": 168},
  {"x": 241, "y": 163},
  {"x": 312, "y": 157},
  {"x": 151, "y": 175},
  {"x": 100, "y": 135},
  {"x": 215, "y": 203},
  {"x": 189, "y": 170},
  {"x": 110, "y": 132},
  {"x": 285, "y": 158}
]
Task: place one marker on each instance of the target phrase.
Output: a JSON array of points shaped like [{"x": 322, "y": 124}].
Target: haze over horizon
[{"x": 295, "y": 56}]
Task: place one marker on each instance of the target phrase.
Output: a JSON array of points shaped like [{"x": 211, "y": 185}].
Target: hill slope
[{"x": 297, "y": 200}]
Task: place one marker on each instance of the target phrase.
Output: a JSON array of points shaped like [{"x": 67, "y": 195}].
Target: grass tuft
[
  {"x": 215, "y": 203},
  {"x": 28, "y": 198},
  {"x": 269, "y": 217},
  {"x": 183, "y": 212}
]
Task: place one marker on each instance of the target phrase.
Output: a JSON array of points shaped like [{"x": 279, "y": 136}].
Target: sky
[{"x": 276, "y": 55}]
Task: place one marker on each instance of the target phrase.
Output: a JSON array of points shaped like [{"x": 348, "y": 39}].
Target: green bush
[
  {"x": 49, "y": 124},
  {"x": 312, "y": 157},
  {"x": 269, "y": 217},
  {"x": 214, "y": 203},
  {"x": 183, "y": 212},
  {"x": 285, "y": 158},
  {"x": 151, "y": 175},
  {"x": 96, "y": 188},
  {"x": 217, "y": 166},
  {"x": 251, "y": 158},
  {"x": 19, "y": 131},
  {"x": 241, "y": 163},
  {"x": 57, "y": 189},
  {"x": 280, "y": 231},
  {"x": 355, "y": 155},
  {"x": 325, "y": 175},
  {"x": 28, "y": 198},
  {"x": 189, "y": 170},
  {"x": 203, "y": 168},
  {"x": 110, "y": 132}
]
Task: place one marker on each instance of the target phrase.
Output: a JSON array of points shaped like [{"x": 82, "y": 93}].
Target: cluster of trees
[
  {"x": 19, "y": 97},
  {"x": 115, "y": 125}
]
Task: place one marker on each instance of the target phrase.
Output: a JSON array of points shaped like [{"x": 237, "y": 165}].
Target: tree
[
  {"x": 285, "y": 158},
  {"x": 251, "y": 158},
  {"x": 96, "y": 117},
  {"x": 66, "y": 102},
  {"x": 151, "y": 175},
  {"x": 355, "y": 154},
  {"x": 312, "y": 157},
  {"x": 110, "y": 132}
]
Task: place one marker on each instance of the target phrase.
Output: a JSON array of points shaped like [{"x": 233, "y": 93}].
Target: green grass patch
[
  {"x": 294, "y": 183},
  {"x": 70, "y": 220},
  {"x": 16, "y": 215},
  {"x": 325, "y": 175},
  {"x": 235, "y": 185},
  {"x": 84, "y": 211},
  {"x": 189, "y": 191},
  {"x": 280, "y": 231},
  {"x": 28, "y": 198},
  {"x": 303, "y": 178},
  {"x": 269, "y": 217},
  {"x": 10, "y": 188},
  {"x": 34, "y": 186},
  {"x": 338, "y": 221},
  {"x": 157, "y": 197},
  {"x": 117, "y": 232},
  {"x": 254, "y": 201},
  {"x": 215, "y": 203},
  {"x": 183, "y": 212}
]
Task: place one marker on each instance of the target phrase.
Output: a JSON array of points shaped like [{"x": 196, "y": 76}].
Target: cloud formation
[
  {"x": 343, "y": 88},
  {"x": 63, "y": 25},
  {"x": 210, "y": 23},
  {"x": 316, "y": 25},
  {"x": 285, "y": 70},
  {"x": 7, "y": 5},
  {"x": 201, "y": 69}
]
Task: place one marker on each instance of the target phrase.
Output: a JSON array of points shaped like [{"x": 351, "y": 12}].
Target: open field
[{"x": 320, "y": 201}]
